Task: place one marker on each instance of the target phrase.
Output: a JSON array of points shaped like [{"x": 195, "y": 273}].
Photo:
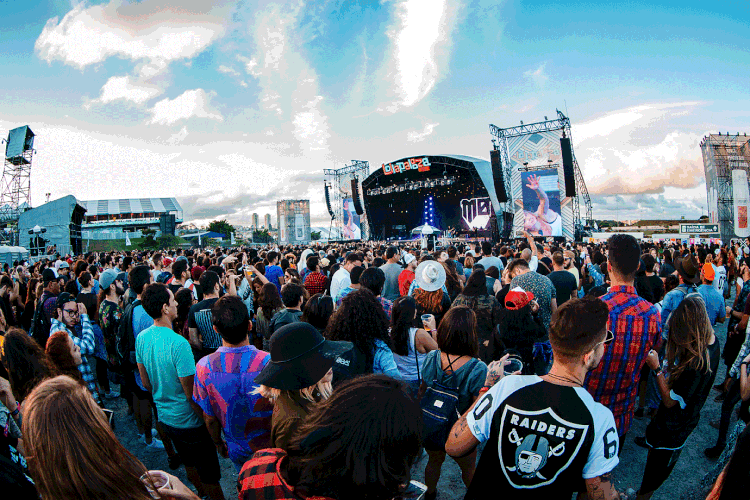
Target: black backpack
[
  {"x": 40, "y": 324},
  {"x": 440, "y": 408},
  {"x": 124, "y": 339}
]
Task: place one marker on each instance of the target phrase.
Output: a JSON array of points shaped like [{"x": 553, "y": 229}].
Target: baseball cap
[
  {"x": 63, "y": 299},
  {"x": 517, "y": 298},
  {"x": 708, "y": 271},
  {"x": 64, "y": 264},
  {"x": 166, "y": 261},
  {"x": 107, "y": 278},
  {"x": 409, "y": 258}
]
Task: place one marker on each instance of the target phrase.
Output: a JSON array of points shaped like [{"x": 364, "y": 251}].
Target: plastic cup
[
  {"x": 514, "y": 365},
  {"x": 160, "y": 481},
  {"x": 426, "y": 318}
]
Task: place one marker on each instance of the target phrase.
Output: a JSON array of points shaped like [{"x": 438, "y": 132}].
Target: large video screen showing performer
[
  {"x": 352, "y": 224},
  {"x": 541, "y": 202}
]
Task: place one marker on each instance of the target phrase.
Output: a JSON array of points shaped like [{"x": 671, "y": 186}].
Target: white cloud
[
  {"x": 538, "y": 76},
  {"x": 190, "y": 103},
  {"x": 227, "y": 70},
  {"x": 420, "y": 31},
  {"x": 290, "y": 96},
  {"x": 123, "y": 88},
  {"x": 415, "y": 136},
  {"x": 641, "y": 149},
  {"x": 146, "y": 30},
  {"x": 178, "y": 137}
]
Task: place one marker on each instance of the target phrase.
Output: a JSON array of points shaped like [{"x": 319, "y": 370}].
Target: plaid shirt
[
  {"x": 86, "y": 342},
  {"x": 315, "y": 282},
  {"x": 260, "y": 478},
  {"x": 636, "y": 324}
]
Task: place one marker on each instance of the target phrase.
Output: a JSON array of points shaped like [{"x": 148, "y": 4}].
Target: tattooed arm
[
  {"x": 601, "y": 488},
  {"x": 461, "y": 441}
]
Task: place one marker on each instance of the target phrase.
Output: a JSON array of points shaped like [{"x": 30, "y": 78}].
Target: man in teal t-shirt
[{"x": 165, "y": 362}]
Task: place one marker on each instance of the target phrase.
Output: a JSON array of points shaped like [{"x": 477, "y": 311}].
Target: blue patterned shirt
[{"x": 86, "y": 343}]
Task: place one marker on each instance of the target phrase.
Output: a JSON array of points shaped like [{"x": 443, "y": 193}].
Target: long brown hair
[
  {"x": 76, "y": 456},
  {"x": 689, "y": 333},
  {"x": 457, "y": 332},
  {"x": 25, "y": 361},
  {"x": 58, "y": 350}
]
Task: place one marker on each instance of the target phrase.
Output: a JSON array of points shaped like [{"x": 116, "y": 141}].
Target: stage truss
[
  {"x": 15, "y": 187},
  {"x": 561, "y": 123},
  {"x": 340, "y": 182}
]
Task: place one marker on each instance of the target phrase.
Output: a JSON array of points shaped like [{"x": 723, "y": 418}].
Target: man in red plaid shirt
[{"x": 636, "y": 324}]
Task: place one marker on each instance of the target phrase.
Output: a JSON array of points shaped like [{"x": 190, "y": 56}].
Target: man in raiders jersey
[{"x": 546, "y": 435}]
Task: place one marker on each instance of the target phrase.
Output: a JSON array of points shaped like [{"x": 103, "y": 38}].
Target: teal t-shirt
[{"x": 167, "y": 357}]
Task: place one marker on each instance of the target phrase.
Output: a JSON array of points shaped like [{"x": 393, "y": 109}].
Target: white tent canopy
[{"x": 426, "y": 229}]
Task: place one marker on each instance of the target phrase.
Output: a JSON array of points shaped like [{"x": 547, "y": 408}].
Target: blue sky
[{"x": 230, "y": 106}]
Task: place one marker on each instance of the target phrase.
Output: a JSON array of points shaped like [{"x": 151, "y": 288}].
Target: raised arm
[{"x": 533, "y": 183}]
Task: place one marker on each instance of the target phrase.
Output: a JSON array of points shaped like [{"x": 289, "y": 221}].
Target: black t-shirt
[
  {"x": 650, "y": 288},
  {"x": 542, "y": 438},
  {"x": 666, "y": 270},
  {"x": 565, "y": 285},
  {"x": 200, "y": 317},
  {"x": 14, "y": 474},
  {"x": 671, "y": 427},
  {"x": 175, "y": 287}
]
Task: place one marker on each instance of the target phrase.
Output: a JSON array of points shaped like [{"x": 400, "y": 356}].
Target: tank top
[{"x": 407, "y": 365}]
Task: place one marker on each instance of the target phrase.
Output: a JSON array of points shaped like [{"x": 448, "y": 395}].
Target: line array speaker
[
  {"x": 568, "y": 171},
  {"x": 355, "y": 196},
  {"x": 497, "y": 176},
  {"x": 328, "y": 204}
]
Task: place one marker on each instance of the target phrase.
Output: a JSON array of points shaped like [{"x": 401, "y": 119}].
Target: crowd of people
[{"x": 332, "y": 371}]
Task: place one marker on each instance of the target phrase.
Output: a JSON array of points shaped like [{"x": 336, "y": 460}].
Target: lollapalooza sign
[{"x": 420, "y": 164}]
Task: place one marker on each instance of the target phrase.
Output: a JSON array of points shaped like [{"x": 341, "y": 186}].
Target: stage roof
[
  {"x": 130, "y": 206},
  {"x": 482, "y": 167}
]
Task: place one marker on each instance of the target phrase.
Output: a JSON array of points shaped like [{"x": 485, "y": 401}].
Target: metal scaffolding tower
[
  {"x": 340, "y": 180},
  {"x": 721, "y": 155},
  {"x": 562, "y": 123},
  {"x": 15, "y": 187}
]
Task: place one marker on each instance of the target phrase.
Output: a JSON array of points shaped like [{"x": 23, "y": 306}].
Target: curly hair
[
  {"x": 360, "y": 320},
  {"x": 430, "y": 302}
]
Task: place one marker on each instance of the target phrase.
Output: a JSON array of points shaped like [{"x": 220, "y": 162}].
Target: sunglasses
[{"x": 607, "y": 339}]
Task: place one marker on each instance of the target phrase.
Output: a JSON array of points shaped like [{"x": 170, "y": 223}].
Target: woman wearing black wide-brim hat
[{"x": 298, "y": 376}]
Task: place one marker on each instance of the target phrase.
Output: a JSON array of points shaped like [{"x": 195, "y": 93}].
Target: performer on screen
[
  {"x": 543, "y": 222},
  {"x": 351, "y": 226}
]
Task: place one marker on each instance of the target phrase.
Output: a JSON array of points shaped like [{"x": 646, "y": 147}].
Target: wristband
[
  {"x": 483, "y": 390},
  {"x": 16, "y": 411}
]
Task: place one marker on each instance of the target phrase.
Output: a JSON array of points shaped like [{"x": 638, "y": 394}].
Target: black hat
[
  {"x": 688, "y": 269},
  {"x": 63, "y": 299},
  {"x": 300, "y": 357},
  {"x": 48, "y": 275}
]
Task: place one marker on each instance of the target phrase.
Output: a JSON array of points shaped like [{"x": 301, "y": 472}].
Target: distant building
[
  {"x": 267, "y": 222},
  {"x": 294, "y": 221},
  {"x": 110, "y": 219},
  {"x": 721, "y": 155},
  {"x": 256, "y": 222}
]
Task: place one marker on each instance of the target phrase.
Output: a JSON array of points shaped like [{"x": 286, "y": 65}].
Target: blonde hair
[
  {"x": 689, "y": 333},
  {"x": 71, "y": 450},
  {"x": 324, "y": 388}
]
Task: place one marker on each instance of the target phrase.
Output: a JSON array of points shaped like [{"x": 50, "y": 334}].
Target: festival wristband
[{"x": 483, "y": 390}]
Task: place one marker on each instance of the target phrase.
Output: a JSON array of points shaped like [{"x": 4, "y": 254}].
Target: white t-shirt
[
  {"x": 340, "y": 280},
  {"x": 720, "y": 278},
  {"x": 542, "y": 436}
]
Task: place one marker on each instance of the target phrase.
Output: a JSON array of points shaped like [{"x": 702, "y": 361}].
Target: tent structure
[
  {"x": 425, "y": 230},
  {"x": 8, "y": 254}
]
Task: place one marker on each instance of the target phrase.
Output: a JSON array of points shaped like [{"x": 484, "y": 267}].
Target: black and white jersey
[{"x": 542, "y": 436}]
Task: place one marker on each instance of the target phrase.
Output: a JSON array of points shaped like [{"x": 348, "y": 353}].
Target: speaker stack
[
  {"x": 328, "y": 204},
  {"x": 497, "y": 176},
  {"x": 355, "y": 196},
  {"x": 568, "y": 171}
]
